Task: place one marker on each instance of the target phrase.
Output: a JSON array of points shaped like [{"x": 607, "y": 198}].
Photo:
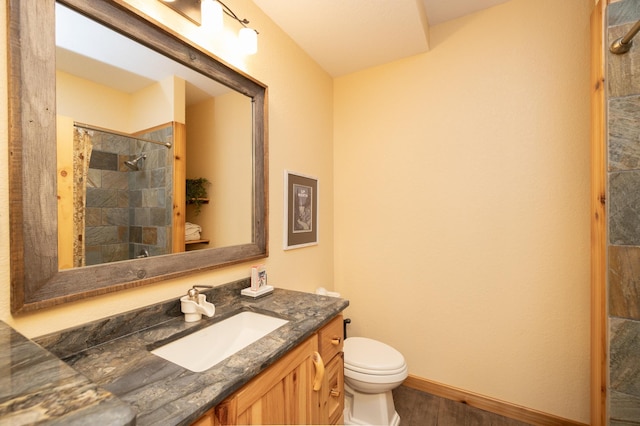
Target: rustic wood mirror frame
[{"x": 36, "y": 282}]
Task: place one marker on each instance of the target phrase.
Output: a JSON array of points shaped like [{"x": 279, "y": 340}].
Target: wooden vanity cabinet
[
  {"x": 305, "y": 386},
  {"x": 331, "y": 341},
  {"x": 334, "y": 398}
]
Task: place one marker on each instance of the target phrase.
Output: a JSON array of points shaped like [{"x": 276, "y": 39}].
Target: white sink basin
[{"x": 205, "y": 348}]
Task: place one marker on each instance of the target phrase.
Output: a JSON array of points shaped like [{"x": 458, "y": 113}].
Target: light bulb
[
  {"x": 248, "y": 40},
  {"x": 211, "y": 15}
]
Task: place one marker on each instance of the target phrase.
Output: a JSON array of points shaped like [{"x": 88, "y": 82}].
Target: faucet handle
[{"x": 194, "y": 294}]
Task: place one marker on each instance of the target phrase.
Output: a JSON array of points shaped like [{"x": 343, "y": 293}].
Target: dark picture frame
[{"x": 300, "y": 210}]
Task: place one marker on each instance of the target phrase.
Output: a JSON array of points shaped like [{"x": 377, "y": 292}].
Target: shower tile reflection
[{"x": 128, "y": 206}]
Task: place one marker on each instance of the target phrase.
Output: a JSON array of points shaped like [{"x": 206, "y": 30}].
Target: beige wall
[
  {"x": 461, "y": 199},
  {"x": 461, "y": 204},
  {"x": 110, "y": 109},
  {"x": 156, "y": 104},
  {"x": 300, "y": 124}
]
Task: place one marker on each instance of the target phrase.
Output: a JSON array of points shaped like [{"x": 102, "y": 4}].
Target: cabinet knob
[
  {"x": 335, "y": 392},
  {"x": 336, "y": 341}
]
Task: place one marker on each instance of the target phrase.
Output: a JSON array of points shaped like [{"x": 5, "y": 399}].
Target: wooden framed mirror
[{"x": 37, "y": 281}]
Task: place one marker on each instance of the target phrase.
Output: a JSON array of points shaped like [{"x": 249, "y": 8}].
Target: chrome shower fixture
[
  {"x": 137, "y": 163},
  {"x": 623, "y": 44}
]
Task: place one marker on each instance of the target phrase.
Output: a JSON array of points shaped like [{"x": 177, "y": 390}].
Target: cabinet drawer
[
  {"x": 331, "y": 338},
  {"x": 335, "y": 385}
]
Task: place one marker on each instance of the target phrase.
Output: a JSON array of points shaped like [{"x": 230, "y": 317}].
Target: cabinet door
[
  {"x": 330, "y": 393},
  {"x": 282, "y": 394},
  {"x": 286, "y": 403},
  {"x": 206, "y": 420},
  {"x": 335, "y": 390},
  {"x": 297, "y": 389}
]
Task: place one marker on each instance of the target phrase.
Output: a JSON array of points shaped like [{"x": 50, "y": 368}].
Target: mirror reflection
[
  {"x": 37, "y": 280},
  {"x": 126, "y": 117}
]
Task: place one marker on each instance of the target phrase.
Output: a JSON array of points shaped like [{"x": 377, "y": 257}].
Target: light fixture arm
[
  {"x": 210, "y": 18},
  {"x": 232, "y": 14}
]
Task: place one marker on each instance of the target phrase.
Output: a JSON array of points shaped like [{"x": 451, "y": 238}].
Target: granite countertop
[
  {"x": 36, "y": 387},
  {"x": 114, "y": 353}
]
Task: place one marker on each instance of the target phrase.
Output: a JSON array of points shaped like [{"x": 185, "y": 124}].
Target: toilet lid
[{"x": 372, "y": 357}]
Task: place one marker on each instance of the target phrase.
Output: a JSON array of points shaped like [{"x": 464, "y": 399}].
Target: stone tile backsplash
[
  {"x": 624, "y": 346},
  {"x": 623, "y": 148},
  {"x": 624, "y": 282},
  {"x": 624, "y": 208},
  {"x": 624, "y": 133}
]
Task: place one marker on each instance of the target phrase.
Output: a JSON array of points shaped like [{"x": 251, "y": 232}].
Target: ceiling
[
  {"x": 95, "y": 53},
  {"x": 344, "y": 36}
]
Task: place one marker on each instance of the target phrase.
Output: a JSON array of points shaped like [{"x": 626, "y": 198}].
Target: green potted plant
[{"x": 197, "y": 193}]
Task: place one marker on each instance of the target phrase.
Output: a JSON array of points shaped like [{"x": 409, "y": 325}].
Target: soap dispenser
[{"x": 194, "y": 304}]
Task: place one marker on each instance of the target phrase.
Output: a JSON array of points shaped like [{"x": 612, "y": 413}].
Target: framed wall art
[{"x": 300, "y": 210}]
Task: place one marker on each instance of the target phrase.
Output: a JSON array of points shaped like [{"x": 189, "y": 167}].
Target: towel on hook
[{"x": 192, "y": 231}]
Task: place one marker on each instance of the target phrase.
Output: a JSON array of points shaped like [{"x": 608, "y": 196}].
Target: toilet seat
[
  {"x": 376, "y": 379},
  {"x": 372, "y": 370},
  {"x": 371, "y": 357}
]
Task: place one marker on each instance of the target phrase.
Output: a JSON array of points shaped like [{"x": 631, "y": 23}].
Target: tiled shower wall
[
  {"x": 623, "y": 182},
  {"x": 128, "y": 212}
]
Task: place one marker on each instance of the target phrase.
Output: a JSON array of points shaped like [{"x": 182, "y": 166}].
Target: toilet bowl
[{"x": 372, "y": 370}]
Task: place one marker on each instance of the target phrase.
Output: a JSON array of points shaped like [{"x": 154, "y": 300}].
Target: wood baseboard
[{"x": 492, "y": 405}]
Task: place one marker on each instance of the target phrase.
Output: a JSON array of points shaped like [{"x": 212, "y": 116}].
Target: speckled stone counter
[
  {"x": 115, "y": 352},
  {"x": 36, "y": 387}
]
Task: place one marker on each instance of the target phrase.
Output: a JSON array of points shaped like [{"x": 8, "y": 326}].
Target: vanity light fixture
[
  {"x": 248, "y": 40},
  {"x": 210, "y": 17},
  {"x": 248, "y": 36}
]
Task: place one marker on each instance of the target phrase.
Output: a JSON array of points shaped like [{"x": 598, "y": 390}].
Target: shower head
[{"x": 136, "y": 163}]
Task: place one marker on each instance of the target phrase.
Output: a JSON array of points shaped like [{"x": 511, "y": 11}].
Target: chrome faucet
[{"x": 194, "y": 294}]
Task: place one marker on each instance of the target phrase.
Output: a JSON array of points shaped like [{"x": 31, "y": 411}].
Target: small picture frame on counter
[
  {"x": 258, "y": 277},
  {"x": 259, "y": 286}
]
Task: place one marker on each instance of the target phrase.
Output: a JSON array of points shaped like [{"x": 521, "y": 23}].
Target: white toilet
[{"x": 372, "y": 370}]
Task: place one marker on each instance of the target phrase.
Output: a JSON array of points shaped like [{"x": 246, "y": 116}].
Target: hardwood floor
[{"x": 418, "y": 408}]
